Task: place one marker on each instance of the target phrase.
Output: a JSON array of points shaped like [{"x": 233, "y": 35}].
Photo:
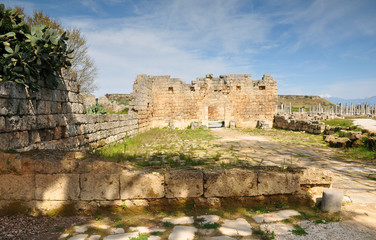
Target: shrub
[
  {"x": 96, "y": 109},
  {"x": 30, "y": 55}
]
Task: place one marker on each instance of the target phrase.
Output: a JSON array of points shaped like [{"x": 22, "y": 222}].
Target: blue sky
[{"x": 311, "y": 47}]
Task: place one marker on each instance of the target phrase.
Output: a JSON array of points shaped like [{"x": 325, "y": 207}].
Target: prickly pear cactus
[{"x": 30, "y": 55}]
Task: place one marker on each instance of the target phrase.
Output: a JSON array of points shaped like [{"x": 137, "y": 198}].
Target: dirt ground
[
  {"x": 279, "y": 148},
  {"x": 350, "y": 176}
]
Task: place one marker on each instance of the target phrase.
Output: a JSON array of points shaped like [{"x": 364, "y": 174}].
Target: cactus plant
[{"x": 30, "y": 55}]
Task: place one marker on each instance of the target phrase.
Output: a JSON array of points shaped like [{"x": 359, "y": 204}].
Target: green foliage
[
  {"x": 141, "y": 236},
  {"x": 267, "y": 235},
  {"x": 201, "y": 223},
  {"x": 30, "y": 55},
  {"x": 167, "y": 224},
  {"x": 339, "y": 123},
  {"x": 299, "y": 231},
  {"x": 96, "y": 109}
]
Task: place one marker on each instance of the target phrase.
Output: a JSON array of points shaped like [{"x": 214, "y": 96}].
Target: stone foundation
[
  {"x": 46, "y": 182},
  {"x": 283, "y": 122}
]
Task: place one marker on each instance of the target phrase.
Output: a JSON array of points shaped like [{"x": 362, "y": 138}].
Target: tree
[{"x": 81, "y": 62}]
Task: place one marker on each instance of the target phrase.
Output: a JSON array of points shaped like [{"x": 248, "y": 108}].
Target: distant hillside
[
  {"x": 370, "y": 100},
  {"x": 299, "y": 101}
]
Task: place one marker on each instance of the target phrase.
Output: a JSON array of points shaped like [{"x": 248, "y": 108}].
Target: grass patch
[
  {"x": 360, "y": 153},
  {"x": 141, "y": 236},
  {"x": 201, "y": 223},
  {"x": 299, "y": 231},
  {"x": 287, "y": 136},
  {"x": 167, "y": 224},
  {"x": 339, "y": 123},
  {"x": 264, "y": 235},
  {"x": 161, "y": 147}
]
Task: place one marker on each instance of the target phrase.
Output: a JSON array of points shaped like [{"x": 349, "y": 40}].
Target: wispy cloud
[{"x": 306, "y": 45}]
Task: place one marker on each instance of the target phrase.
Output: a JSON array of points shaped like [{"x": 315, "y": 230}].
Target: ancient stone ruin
[{"x": 162, "y": 101}]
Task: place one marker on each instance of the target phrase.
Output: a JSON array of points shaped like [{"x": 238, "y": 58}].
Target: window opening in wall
[
  {"x": 170, "y": 89},
  {"x": 192, "y": 89},
  {"x": 238, "y": 88},
  {"x": 261, "y": 87}
]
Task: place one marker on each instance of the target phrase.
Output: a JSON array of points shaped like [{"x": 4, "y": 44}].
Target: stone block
[
  {"x": 16, "y": 187},
  {"x": 141, "y": 185},
  {"x": 230, "y": 183},
  {"x": 99, "y": 186},
  {"x": 270, "y": 183},
  {"x": 316, "y": 176},
  {"x": 184, "y": 183},
  {"x": 18, "y": 140},
  {"x": 10, "y": 163},
  {"x": 57, "y": 187},
  {"x": 331, "y": 200}
]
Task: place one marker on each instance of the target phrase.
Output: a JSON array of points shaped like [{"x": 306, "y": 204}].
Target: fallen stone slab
[
  {"x": 179, "y": 221},
  {"x": 279, "y": 229},
  {"x": 238, "y": 227},
  {"x": 94, "y": 237},
  {"x": 209, "y": 218},
  {"x": 275, "y": 216},
  {"x": 205, "y": 231},
  {"x": 79, "y": 237},
  {"x": 182, "y": 232},
  {"x": 222, "y": 238},
  {"x": 123, "y": 236},
  {"x": 80, "y": 229},
  {"x": 117, "y": 231},
  {"x": 146, "y": 229}
]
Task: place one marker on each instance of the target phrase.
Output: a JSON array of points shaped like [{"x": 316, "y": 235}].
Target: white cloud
[{"x": 184, "y": 40}]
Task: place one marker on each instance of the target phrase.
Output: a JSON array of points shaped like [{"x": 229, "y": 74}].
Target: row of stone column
[{"x": 338, "y": 110}]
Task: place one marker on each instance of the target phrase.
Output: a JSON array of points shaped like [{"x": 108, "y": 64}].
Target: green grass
[
  {"x": 267, "y": 235},
  {"x": 161, "y": 147},
  {"x": 299, "y": 231},
  {"x": 360, "y": 153},
  {"x": 141, "y": 236},
  {"x": 339, "y": 123},
  {"x": 287, "y": 137}
]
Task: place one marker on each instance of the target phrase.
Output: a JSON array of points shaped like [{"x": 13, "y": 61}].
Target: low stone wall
[
  {"x": 55, "y": 119},
  {"x": 283, "y": 122},
  {"x": 47, "y": 182}
]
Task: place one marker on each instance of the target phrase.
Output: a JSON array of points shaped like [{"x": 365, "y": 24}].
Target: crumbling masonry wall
[
  {"x": 162, "y": 101},
  {"x": 56, "y": 119}
]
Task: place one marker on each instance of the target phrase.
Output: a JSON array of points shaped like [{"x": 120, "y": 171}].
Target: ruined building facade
[{"x": 161, "y": 101}]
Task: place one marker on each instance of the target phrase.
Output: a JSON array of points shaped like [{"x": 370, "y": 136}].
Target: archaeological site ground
[{"x": 221, "y": 158}]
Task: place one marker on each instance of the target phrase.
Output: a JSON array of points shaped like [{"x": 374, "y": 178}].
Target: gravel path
[
  {"x": 369, "y": 124},
  {"x": 32, "y": 228}
]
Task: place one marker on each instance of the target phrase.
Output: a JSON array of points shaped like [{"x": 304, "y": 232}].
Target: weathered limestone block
[
  {"x": 141, "y": 185},
  {"x": 10, "y": 163},
  {"x": 57, "y": 187},
  {"x": 99, "y": 186},
  {"x": 184, "y": 183},
  {"x": 230, "y": 183},
  {"x": 316, "y": 176},
  {"x": 15, "y": 187},
  {"x": 18, "y": 140},
  {"x": 270, "y": 183}
]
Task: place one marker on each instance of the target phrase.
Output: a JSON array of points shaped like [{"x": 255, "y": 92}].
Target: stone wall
[
  {"x": 55, "y": 119},
  {"x": 48, "y": 182},
  {"x": 162, "y": 101},
  {"x": 283, "y": 122}
]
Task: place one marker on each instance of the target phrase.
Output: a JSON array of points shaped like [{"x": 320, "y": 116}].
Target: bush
[
  {"x": 96, "y": 109},
  {"x": 30, "y": 55}
]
